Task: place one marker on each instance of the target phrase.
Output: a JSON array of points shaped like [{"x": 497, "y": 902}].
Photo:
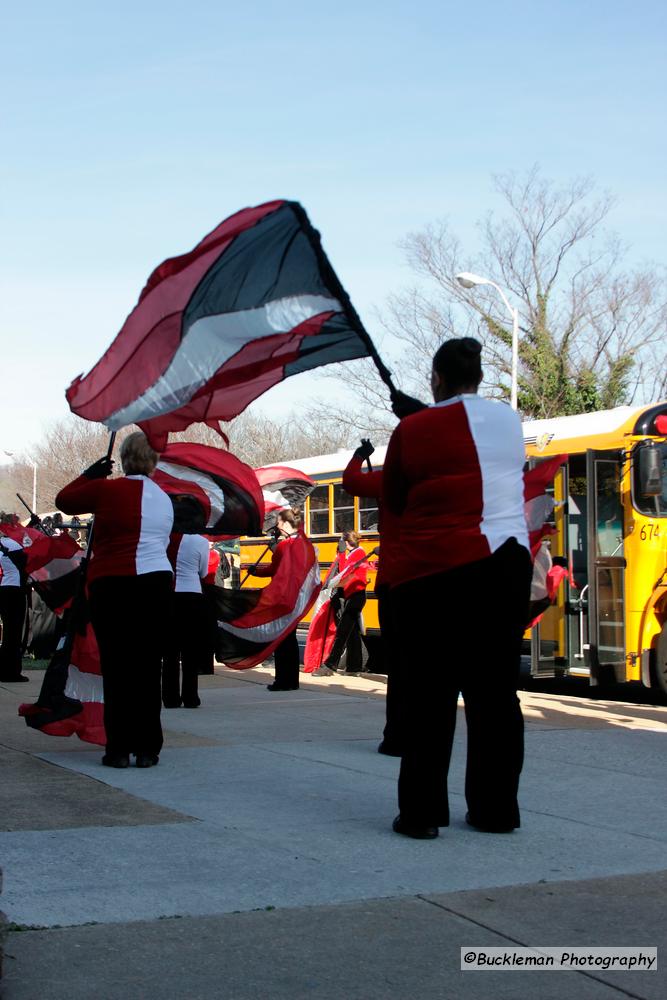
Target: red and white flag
[
  {"x": 253, "y": 303},
  {"x": 251, "y": 623},
  {"x": 71, "y": 701},
  {"x": 213, "y": 492},
  {"x": 282, "y": 487}
]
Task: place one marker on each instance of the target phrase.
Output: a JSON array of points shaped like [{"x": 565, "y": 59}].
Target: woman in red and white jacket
[
  {"x": 453, "y": 475},
  {"x": 286, "y": 656},
  {"x": 129, "y": 585},
  {"x": 187, "y": 644},
  {"x": 353, "y": 568}
]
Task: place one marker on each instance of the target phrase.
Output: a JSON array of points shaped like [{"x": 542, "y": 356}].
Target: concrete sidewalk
[{"x": 258, "y": 859}]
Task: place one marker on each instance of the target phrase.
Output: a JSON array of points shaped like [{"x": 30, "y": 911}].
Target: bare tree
[
  {"x": 260, "y": 440},
  {"x": 72, "y": 444},
  {"x": 590, "y": 330}
]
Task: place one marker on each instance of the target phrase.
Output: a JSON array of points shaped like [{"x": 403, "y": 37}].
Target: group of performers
[{"x": 452, "y": 526}]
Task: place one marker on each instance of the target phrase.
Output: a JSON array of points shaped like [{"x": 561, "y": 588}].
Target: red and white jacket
[
  {"x": 453, "y": 473},
  {"x": 354, "y": 568},
  {"x": 188, "y": 555},
  {"x": 133, "y": 520}
]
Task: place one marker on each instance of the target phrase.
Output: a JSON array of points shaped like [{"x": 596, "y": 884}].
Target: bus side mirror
[{"x": 650, "y": 470}]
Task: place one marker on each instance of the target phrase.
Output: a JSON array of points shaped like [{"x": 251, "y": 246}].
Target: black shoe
[
  {"x": 21, "y": 679},
  {"x": 485, "y": 828},
  {"x": 147, "y": 759},
  {"x": 192, "y": 704},
  {"x": 282, "y": 687},
  {"x": 171, "y": 704},
  {"x": 116, "y": 760},
  {"x": 417, "y": 832},
  {"x": 389, "y": 749}
]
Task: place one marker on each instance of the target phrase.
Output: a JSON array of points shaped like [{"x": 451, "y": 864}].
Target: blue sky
[{"x": 129, "y": 130}]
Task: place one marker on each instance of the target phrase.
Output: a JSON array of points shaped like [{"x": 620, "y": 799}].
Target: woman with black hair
[{"x": 454, "y": 475}]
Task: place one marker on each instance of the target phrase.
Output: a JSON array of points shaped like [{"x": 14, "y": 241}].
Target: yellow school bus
[
  {"x": 609, "y": 623},
  {"x": 610, "y": 620}
]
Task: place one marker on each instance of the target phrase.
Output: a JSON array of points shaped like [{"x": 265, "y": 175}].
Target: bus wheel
[{"x": 660, "y": 663}]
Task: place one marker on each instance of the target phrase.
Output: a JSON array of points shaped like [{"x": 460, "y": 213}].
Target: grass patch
[{"x": 30, "y": 664}]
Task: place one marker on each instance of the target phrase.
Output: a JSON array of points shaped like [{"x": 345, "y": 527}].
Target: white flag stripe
[
  {"x": 211, "y": 489},
  {"x": 208, "y": 344},
  {"x": 83, "y": 686},
  {"x": 270, "y": 631}
]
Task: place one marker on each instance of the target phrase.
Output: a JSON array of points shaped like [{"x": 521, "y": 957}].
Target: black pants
[
  {"x": 391, "y": 736},
  {"x": 129, "y": 615},
  {"x": 286, "y": 657},
  {"x": 186, "y": 651},
  {"x": 208, "y": 665},
  {"x": 348, "y": 635},
  {"x": 12, "y": 612},
  {"x": 465, "y": 636}
]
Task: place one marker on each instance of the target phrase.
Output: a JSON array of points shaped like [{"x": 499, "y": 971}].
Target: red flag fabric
[
  {"x": 251, "y": 623},
  {"x": 71, "y": 700},
  {"x": 322, "y": 631},
  {"x": 213, "y": 492},
  {"x": 52, "y": 562},
  {"x": 254, "y": 302}
]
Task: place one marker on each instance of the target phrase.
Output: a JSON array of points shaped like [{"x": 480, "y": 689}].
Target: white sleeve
[{"x": 203, "y": 557}]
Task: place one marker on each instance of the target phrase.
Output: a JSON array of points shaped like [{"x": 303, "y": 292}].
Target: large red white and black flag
[
  {"x": 251, "y": 623},
  {"x": 213, "y": 492},
  {"x": 71, "y": 699},
  {"x": 282, "y": 486},
  {"x": 253, "y": 303}
]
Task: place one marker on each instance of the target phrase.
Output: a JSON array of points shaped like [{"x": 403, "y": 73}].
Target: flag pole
[
  {"x": 91, "y": 526},
  {"x": 333, "y": 282},
  {"x": 256, "y": 563}
]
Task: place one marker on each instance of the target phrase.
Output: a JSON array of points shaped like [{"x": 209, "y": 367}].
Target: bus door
[
  {"x": 606, "y": 567},
  {"x": 549, "y": 636}
]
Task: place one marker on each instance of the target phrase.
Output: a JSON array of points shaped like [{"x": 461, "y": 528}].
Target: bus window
[
  {"x": 343, "y": 509},
  {"x": 319, "y": 511},
  {"x": 368, "y": 514},
  {"x": 609, "y": 508}
]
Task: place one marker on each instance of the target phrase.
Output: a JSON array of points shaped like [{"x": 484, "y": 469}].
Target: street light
[{"x": 468, "y": 280}]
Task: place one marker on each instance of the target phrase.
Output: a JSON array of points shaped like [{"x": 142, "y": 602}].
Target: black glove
[
  {"x": 403, "y": 405},
  {"x": 34, "y": 521},
  {"x": 365, "y": 450},
  {"x": 100, "y": 469}
]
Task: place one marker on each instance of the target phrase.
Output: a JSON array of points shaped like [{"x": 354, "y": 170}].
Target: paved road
[{"x": 258, "y": 860}]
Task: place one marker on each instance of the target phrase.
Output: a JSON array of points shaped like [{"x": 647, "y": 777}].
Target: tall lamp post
[{"x": 468, "y": 280}]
